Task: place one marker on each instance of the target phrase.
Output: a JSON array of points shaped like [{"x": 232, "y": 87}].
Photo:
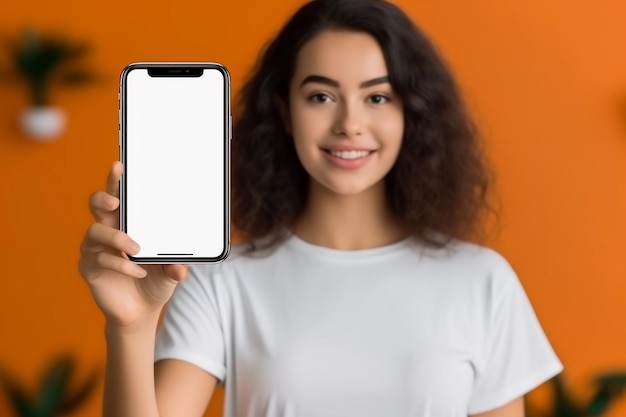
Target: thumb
[{"x": 177, "y": 272}]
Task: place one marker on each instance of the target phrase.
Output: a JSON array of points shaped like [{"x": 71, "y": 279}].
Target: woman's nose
[{"x": 349, "y": 120}]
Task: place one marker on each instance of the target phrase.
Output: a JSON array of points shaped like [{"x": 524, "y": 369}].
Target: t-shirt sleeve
[
  {"x": 191, "y": 329},
  {"x": 516, "y": 354}
]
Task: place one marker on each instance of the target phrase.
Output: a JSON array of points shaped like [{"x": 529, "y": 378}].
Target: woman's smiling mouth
[
  {"x": 350, "y": 155},
  {"x": 347, "y": 158}
]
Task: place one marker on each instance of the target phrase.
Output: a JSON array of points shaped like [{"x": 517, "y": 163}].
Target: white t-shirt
[{"x": 399, "y": 330}]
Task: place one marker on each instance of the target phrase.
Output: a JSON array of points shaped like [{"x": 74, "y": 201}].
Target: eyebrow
[{"x": 333, "y": 83}]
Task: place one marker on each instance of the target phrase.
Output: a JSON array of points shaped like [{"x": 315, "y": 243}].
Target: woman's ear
[{"x": 283, "y": 108}]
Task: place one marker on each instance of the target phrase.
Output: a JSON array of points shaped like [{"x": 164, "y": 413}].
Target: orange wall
[{"x": 542, "y": 78}]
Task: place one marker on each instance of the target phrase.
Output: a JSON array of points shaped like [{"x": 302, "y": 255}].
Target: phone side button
[{"x": 230, "y": 127}]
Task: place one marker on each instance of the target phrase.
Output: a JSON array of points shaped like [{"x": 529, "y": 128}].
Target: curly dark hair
[{"x": 440, "y": 181}]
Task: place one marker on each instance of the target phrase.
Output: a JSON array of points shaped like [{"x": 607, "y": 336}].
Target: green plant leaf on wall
[
  {"x": 43, "y": 59},
  {"x": 18, "y": 398},
  {"x": 610, "y": 387},
  {"x": 54, "y": 384},
  {"x": 72, "y": 401},
  {"x": 38, "y": 56},
  {"x": 600, "y": 403},
  {"x": 564, "y": 405},
  {"x": 53, "y": 396}
]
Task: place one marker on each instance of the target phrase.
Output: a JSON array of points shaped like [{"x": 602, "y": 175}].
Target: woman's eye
[
  {"x": 378, "y": 99},
  {"x": 320, "y": 98}
]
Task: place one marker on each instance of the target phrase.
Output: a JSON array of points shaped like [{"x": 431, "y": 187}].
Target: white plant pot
[{"x": 43, "y": 123}]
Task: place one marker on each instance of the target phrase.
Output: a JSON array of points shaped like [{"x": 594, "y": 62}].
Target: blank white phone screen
[{"x": 175, "y": 164}]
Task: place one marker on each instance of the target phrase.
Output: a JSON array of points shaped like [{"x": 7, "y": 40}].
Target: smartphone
[{"x": 174, "y": 138}]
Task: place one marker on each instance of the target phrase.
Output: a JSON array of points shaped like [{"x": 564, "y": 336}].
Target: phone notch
[{"x": 175, "y": 72}]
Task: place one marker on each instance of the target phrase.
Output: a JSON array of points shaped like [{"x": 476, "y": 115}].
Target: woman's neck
[{"x": 351, "y": 222}]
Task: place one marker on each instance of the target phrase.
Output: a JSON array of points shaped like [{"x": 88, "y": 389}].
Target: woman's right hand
[{"x": 127, "y": 293}]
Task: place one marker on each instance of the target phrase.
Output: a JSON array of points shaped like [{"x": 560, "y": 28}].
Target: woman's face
[{"x": 346, "y": 121}]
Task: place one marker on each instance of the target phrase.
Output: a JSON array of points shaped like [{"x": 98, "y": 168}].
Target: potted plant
[
  {"x": 608, "y": 387},
  {"x": 41, "y": 61},
  {"x": 53, "y": 397}
]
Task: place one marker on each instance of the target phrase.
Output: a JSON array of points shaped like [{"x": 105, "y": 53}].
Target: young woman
[{"x": 358, "y": 182}]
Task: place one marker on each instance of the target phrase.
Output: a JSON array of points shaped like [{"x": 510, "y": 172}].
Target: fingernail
[
  {"x": 134, "y": 247},
  {"x": 141, "y": 272},
  {"x": 109, "y": 201}
]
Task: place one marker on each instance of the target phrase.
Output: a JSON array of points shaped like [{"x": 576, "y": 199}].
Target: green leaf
[
  {"x": 17, "y": 396},
  {"x": 73, "y": 401},
  {"x": 611, "y": 386},
  {"x": 39, "y": 58},
  {"x": 599, "y": 403},
  {"x": 564, "y": 406},
  {"x": 612, "y": 379},
  {"x": 54, "y": 384}
]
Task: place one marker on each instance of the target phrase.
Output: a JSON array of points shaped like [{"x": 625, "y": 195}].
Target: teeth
[{"x": 349, "y": 154}]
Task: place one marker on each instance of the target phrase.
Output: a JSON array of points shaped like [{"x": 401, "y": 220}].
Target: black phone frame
[{"x": 171, "y": 69}]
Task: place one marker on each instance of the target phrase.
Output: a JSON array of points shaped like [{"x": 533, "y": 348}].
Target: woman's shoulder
[{"x": 469, "y": 257}]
